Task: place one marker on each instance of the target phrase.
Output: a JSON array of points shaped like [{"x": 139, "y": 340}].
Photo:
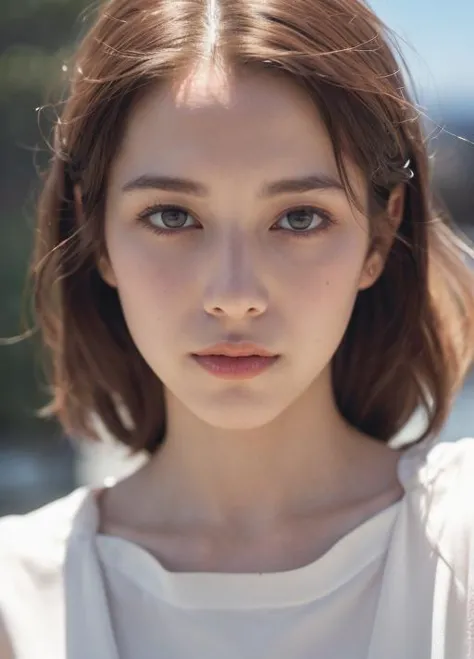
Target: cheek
[
  {"x": 322, "y": 291},
  {"x": 150, "y": 282},
  {"x": 330, "y": 272}
]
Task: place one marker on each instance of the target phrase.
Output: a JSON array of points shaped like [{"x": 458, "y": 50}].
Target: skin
[{"x": 258, "y": 474}]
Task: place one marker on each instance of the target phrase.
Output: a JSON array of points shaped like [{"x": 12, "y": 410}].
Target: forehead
[{"x": 215, "y": 118}]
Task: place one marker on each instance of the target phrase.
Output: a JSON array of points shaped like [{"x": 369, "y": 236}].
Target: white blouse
[{"x": 399, "y": 586}]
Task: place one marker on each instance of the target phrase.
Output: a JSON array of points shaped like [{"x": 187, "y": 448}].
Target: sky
[{"x": 440, "y": 34}]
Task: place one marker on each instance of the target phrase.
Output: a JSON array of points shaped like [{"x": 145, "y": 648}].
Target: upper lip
[{"x": 239, "y": 349}]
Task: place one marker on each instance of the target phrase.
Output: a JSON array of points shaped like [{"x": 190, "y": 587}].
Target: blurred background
[{"x": 37, "y": 463}]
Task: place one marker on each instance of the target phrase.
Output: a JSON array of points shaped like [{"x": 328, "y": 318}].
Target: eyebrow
[{"x": 187, "y": 186}]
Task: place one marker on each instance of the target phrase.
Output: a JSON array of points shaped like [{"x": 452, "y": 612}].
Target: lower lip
[{"x": 235, "y": 368}]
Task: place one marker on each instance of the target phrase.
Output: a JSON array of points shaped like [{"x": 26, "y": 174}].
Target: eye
[
  {"x": 165, "y": 219},
  {"x": 306, "y": 220},
  {"x": 300, "y": 222}
]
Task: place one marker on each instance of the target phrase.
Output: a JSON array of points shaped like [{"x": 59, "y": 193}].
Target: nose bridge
[{"x": 235, "y": 284}]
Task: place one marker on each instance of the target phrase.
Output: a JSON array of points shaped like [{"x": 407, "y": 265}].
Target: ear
[
  {"x": 381, "y": 247},
  {"x": 106, "y": 271},
  {"x": 103, "y": 264}
]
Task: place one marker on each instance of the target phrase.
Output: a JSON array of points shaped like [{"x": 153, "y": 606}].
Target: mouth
[
  {"x": 241, "y": 349},
  {"x": 235, "y": 367}
]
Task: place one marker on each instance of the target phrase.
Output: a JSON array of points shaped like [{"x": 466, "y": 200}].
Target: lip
[
  {"x": 235, "y": 368},
  {"x": 236, "y": 349}
]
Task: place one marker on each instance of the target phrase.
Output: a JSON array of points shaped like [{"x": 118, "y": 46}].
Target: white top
[{"x": 399, "y": 586}]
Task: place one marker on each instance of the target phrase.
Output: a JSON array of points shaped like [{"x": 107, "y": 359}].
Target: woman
[{"x": 240, "y": 270}]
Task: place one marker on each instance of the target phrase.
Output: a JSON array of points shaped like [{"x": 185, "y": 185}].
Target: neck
[{"x": 307, "y": 459}]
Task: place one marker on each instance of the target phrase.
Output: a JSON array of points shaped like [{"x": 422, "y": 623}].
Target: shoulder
[
  {"x": 33, "y": 549},
  {"x": 40, "y": 532},
  {"x": 439, "y": 465},
  {"x": 440, "y": 485}
]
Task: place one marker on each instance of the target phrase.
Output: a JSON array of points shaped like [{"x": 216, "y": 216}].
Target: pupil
[
  {"x": 174, "y": 217},
  {"x": 297, "y": 218}
]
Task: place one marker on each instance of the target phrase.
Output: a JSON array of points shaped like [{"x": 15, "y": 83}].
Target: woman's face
[{"x": 257, "y": 241}]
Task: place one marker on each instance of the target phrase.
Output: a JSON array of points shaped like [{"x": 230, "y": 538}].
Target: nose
[{"x": 235, "y": 289}]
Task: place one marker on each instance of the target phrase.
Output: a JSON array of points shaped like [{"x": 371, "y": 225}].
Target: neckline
[
  {"x": 365, "y": 544},
  {"x": 221, "y": 590}
]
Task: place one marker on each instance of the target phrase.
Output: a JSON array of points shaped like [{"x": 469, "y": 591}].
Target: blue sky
[{"x": 440, "y": 54}]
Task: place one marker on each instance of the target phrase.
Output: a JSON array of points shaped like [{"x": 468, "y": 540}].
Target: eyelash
[{"x": 327, "y": 220}]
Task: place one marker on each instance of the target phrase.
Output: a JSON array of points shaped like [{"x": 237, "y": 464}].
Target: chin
[{"x": 245, "y": 414}]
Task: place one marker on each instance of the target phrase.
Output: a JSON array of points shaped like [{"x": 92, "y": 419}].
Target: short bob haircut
[{"x": 410, "y": 340}]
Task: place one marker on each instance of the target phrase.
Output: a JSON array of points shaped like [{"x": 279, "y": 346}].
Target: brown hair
[{"x": 410, "y": 340}]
